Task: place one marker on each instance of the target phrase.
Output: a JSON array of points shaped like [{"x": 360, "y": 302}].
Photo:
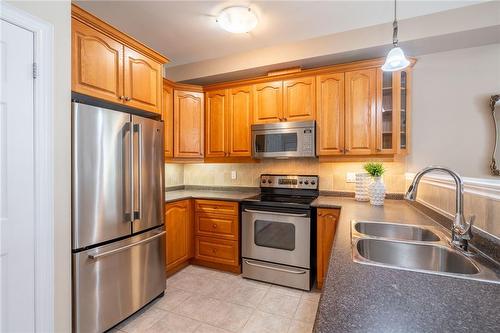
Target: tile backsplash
[{"x": 332, "y": 175}]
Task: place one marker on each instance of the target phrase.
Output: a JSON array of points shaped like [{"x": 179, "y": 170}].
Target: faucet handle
[{"x": 468, "y": 229}]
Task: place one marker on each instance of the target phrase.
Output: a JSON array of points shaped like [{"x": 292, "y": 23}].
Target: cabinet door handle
[
  {"x": 128, "y": 99},
  {"x": 121, "y": 98},
  {"x": 214, "y": 226}
]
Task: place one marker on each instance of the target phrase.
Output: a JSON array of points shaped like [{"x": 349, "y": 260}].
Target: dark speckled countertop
[{"x": 364, "y": 298}]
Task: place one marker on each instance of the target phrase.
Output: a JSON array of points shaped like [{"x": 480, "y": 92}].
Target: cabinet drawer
[
  {"x": 216, "y": 225},
  {"x": 217, "y": 250},
  {"x": 214, "y": 206}
]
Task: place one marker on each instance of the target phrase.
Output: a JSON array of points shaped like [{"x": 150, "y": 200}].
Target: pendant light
[{"x": 396, "y": 59}]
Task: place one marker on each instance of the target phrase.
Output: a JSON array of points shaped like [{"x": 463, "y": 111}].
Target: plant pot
[{"x": 377, "y": 191}]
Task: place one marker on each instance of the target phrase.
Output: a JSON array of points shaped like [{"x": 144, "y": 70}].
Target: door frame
[{"x": 43, "y": 105}]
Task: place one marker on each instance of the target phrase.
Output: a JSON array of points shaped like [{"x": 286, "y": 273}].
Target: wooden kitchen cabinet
[
  {"x": 188, "y": 124},
  {"x": 216, "y": 109},
  {"x": 268, "y": 102},
  {"x": 299, "y": 99},
  {"x": 330, "y": 114},
  {"x": 96, "y": 63},
  {"x": 326, "y": 225},
  {"x": 180, "y": 234},
  {"x": 110, "y": 65},
  {"x": 228, "y": 117},
  {"x": 142, "y": 81},
  {"x": 240, "y": 121},
  {"x": 360, "y": 109},
  {"x": 168, "y": 119},
  {"x": 217, "y": 234}
]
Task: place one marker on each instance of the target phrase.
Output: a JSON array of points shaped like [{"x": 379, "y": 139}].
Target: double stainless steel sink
[{"x": 416, "y": 248}]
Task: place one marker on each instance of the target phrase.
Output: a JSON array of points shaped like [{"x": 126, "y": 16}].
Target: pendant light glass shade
[
  {"x": 237, "y": 19},
  {"x": 395, "y": 60}
]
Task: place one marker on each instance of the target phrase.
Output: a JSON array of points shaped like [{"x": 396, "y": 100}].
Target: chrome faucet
[{"x": 461, "y": 230}]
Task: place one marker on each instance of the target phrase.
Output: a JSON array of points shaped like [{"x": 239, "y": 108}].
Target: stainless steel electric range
[{"x": 278, "y": 229}]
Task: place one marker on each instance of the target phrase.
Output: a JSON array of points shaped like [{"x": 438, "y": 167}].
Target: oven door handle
[
  {"x": 274, "y": 213},
  {"x": 252, "y": 263}
]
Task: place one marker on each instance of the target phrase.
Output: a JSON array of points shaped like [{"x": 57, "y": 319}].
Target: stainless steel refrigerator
[{"x": 118, "y": 237}]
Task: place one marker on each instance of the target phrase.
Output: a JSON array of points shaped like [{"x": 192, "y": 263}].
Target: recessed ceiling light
[{"x": 237, "y": 19}]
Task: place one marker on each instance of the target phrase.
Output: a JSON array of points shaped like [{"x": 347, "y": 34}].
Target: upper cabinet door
[
  {"x": 330, "y": 114},
  {"x": 215, "y": 123},
  {"x": 240, "y": 119},
  {"x": 143, "y": 81},
  {"x": 268, "y": 105},
  {"x": 168, "y": 120},
  {"x": 360, "y": 102},
  {"x": 188, "y": 124},
  {"x": 97, "y": 63},
  {"x": 299, "y": 102}
]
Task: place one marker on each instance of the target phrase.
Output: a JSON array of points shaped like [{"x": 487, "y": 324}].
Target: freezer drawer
[{"x": 113, "y": 281}]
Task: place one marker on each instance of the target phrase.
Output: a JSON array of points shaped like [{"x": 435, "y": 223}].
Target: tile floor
[{"x": 203, "y": 300}]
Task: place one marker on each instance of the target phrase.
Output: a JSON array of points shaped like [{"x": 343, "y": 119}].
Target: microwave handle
[{"x": 274, "y": 213}]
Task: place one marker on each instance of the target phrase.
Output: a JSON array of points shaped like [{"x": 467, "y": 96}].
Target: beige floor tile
[
  {"x": 286, "y": 291},
  {"x": 231, "y": 317},
  {"x": 313, "y": 295},
  {"x": 306, "y": 311},
  {"x": 199, "y": 307},
  {"x": 279, "y": 304},
  {"x": 174, "y": 323},
  {"x": 300, "y": 327},
  {"x": 200, "y": 271},
  {"x": 172, "y": 299},
  {"x": 204, "y": 328},
  {"x": 142, "y": 321},
  {"x": 261, "y": 322},
  {"x": 246, "y": 295}
]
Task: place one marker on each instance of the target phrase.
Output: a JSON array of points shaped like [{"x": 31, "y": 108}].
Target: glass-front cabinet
[{"x": 393, "y": 112}]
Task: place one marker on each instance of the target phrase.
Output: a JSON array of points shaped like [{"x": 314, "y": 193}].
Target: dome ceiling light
[
  {"x": 396, "y": 59},
  {"x": 237, "y": 19}
]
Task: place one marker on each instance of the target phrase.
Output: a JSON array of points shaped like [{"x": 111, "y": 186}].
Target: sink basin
[
  {"x": 414, "y": 256},
  {"x": 396, "y": 231}
]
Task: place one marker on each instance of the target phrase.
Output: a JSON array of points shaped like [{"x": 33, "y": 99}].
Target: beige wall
[
  {"x": 451, "y": 122},
  {"x": 452, "y": 126},
  {"x": 59, "y": 15}
]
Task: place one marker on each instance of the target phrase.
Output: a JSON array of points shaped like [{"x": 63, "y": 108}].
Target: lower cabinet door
[
  {"x": 326, "y": 226},
  {"x": 180, "y": 233},
  {"x": 217, "y": 250}
]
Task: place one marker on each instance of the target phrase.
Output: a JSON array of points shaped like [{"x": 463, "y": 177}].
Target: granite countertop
[
  {"x": 232, "y": 195},
  {"x": 363, "y": 298}
]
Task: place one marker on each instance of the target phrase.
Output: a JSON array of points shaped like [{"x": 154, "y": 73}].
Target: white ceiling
[{"x": 186, "y": 31}]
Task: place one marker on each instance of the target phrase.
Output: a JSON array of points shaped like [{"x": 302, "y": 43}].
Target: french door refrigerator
[{"x": 118, "y": 237}]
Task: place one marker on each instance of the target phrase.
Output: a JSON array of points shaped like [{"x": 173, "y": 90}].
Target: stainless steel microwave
[{"x": 284, "y": 140}]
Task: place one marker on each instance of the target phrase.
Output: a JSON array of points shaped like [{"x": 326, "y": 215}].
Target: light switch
[
  {"x": 233, "y": 174},
  {"x": 350, "y": 177}
]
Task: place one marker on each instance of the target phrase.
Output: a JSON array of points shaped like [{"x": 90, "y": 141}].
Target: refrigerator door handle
[
  {"x": 128, "y": 207},
  {"x": 123, "y": 248},
  {"x": 131, "y": 175},
  {"x": 138, "y": 212}
]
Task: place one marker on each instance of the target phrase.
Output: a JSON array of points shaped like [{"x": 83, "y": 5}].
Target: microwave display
[{"x": 272, "y": 143}]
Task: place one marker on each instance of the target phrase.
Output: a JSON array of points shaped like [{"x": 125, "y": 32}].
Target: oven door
[{"x": 276, "y": 236}]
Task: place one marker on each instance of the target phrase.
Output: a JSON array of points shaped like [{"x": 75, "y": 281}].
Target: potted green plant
[{"x": 377, "y": 187}]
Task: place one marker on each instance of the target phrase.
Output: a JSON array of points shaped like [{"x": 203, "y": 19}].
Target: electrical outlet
[
  {"x": 350, "y": 177},
  {"x": 233, "y": 174}
]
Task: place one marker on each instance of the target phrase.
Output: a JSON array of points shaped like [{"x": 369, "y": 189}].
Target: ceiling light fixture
[
  {"x": 396, "y": 59},
  {"x": 237, "y": 19}
]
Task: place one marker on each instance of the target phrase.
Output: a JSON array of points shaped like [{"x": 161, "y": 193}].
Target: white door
[{"x": 17, "y": 242}]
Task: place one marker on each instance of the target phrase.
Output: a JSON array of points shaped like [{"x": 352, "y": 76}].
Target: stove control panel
[{"x": 290, "y": 181}]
